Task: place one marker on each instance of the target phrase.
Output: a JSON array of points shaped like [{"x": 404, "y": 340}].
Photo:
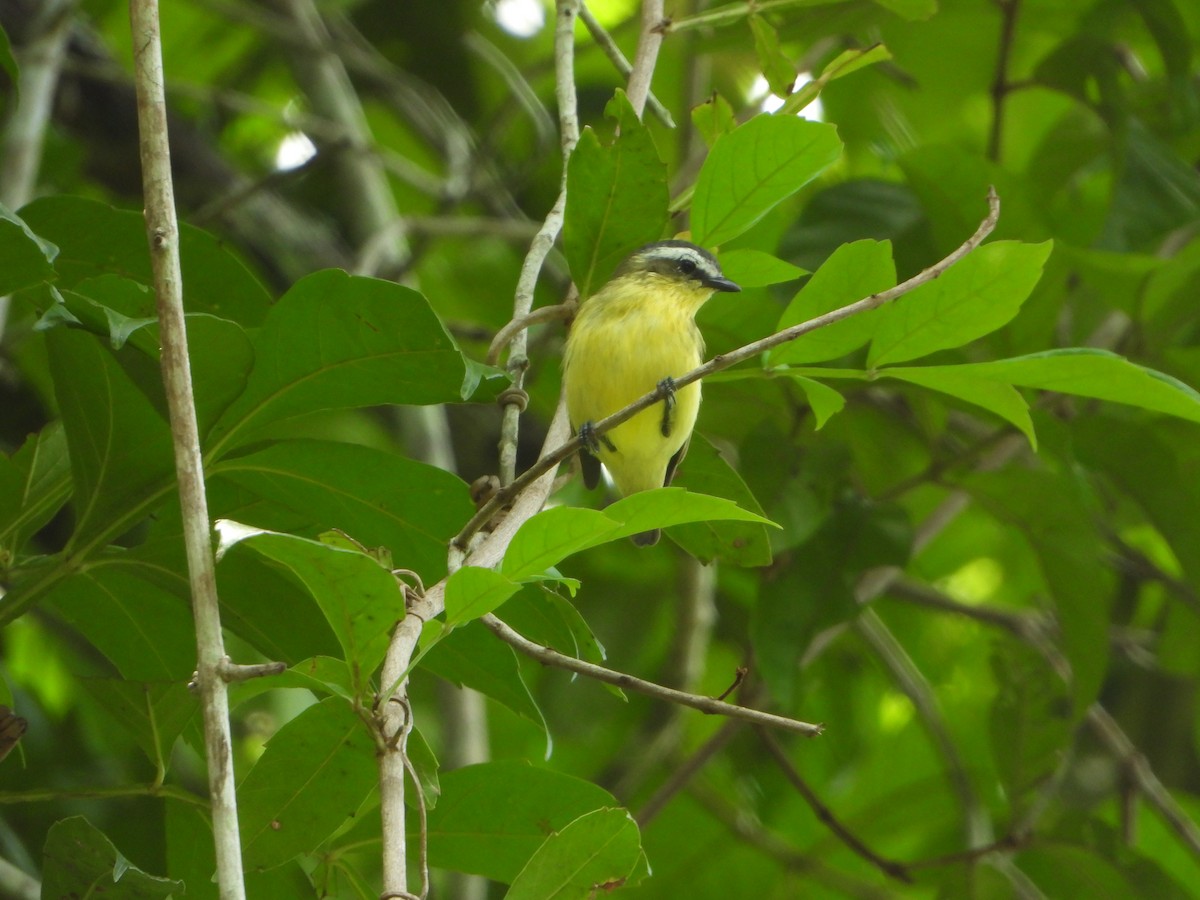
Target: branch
[
  {"x": 684, "y": 773},
  {"x": 604, "y": 40},
  {"x": 888, "y": 867},
  {"x": 724, "y": 361},
  {"x": 653, "y": 22},
  {"x": 17, "y": 884},
  {"x": 708, "y": 705},
  {"x": 565, "y": 13},
  {"x": 163, "y": 232}
]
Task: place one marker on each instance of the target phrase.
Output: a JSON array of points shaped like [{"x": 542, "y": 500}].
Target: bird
[{"x": 633, "y": 336}]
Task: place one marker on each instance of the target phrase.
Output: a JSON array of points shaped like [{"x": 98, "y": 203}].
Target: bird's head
[{"x": 679, "y": 262}]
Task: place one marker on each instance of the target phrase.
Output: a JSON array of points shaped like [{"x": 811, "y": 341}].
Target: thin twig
[
  {"x": 649, "y": 688},
  {"x": 536, "y": 317},
  {"x": 682, "y": 774},
  {"x": 724, "y": 361},
  {"x": 606, "y": 43},
  {"x": 163, "y": 232},
  {"x": 888, "y": 867},
  {"x": 1120, "y": 746},
  {"x": 1000, "y": 85},
  {"x": 917, "y": 689}
]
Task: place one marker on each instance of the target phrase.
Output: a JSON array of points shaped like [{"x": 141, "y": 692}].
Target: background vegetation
[{"x": 984, "y": 583}]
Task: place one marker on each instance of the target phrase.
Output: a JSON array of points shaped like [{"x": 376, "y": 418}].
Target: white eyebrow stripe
[{"x": 702, "y": 262}]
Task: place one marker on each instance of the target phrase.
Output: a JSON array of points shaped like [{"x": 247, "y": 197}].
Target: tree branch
[
  {"x": 604, "y": 40},
  {"x": 649, "y": 688},
  {"x": 163, "y": 232},
  {"x": 505, "y": 495}
]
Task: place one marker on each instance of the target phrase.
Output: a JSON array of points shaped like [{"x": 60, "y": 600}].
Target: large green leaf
[
  {"x": 314, "y": 774},
  {"x": 95, "y": 239},
  {"x": 997, "y": 397},
  {"x": 145, "y": 630},
  {"x": 472, "y": 592},
  {"x": 1094, "y": 373},
  {"x": 972, "y": 298},
  {"x": 79, "y": 861},
  {"x": 120, "y": 446},
  {"x": 492, "y": 818},
  {"x": 152, "y": 714},
  {"x": 616, "y": 199},
  {"x": 854, "y": 271},
  {"x": 360, "y": 598},
  {"x": 336, "y": 341},
  {"x": 596, "y": 852},
  {"x": 378, "y": 498},
  {"x": 754, "y": 168}
]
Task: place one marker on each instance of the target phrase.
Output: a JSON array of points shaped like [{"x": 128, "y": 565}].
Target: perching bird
[{"x": 637, "y": 333}]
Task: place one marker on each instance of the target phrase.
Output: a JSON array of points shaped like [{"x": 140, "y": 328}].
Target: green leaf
[
  {"x": 850, "y": 61},
  {"x": 25, "y": 258},
  {"x": 1094, "y": 373},
  {"x": 713, "y": 118},
  {"x": 336, "y": 341},
  {"x": 360, "y": 599},
  {"x": 554, "y": 534},
  {"x": 854, "y": 271},
  {"x": 777, "y": 68},
  {"x": 378, "y": 498},
  {"x": 9, "y": 63},
  {"x": 79, "y": 861},
  {"x": 753, "y": 268},
  {"x": 751, "y": 170},
  {"x": 95, "y": 239},
  {"x": 666, "y": 507},
  {"x": 473, "y": 657},
  {"x": 594, "y": 854},
  {"x": 145, "y": 630},
  {"x": 742, "y": 543},
  {"x": 153, "y": 714},
  {"x": 315, "y": 773},
  {"x": 473, "y": 591},
  {"x": 493, "y": 817},
  {"x": 120, "y": 447},
  {"x": 970, "y": 299},
  {"x": 34, "y": 484},
  {"x": 1002, "y": 399},
  {"x": 616, "y": 200},
  {"x": 420, "y": 754},
  {"x": 824, "y": 400}
]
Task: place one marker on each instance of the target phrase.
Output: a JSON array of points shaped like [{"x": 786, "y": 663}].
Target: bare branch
[
  {"x": 163, "y": 232},
  {"x": 604, "y": 40},
  {"x": 888, "y": 867},
  {"x": 649, "y": 688}
]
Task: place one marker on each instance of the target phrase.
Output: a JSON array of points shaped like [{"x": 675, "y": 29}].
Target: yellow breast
[{"x": 624, "y": 341}]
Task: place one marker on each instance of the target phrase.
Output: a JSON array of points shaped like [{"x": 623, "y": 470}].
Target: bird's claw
[
  {"x": 592, "y": 441},
  {"x": 666, "y": 391}
]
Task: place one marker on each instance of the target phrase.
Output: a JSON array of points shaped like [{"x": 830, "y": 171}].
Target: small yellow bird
[{"x": 638, "y": 333}]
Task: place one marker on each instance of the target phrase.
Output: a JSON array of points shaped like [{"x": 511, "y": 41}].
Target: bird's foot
[
  {"x": 666, "y": 392},
  {"x": 592, "y": 441}
]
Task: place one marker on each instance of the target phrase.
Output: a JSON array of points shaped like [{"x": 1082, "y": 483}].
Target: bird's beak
[{"x": 723, "y": 284}]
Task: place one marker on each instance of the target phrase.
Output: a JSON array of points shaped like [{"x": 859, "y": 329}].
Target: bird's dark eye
[{"x": 687, "y": 266}]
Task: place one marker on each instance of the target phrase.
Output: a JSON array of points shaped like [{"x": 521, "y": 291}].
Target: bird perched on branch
[{"x": 635, "y": 335}]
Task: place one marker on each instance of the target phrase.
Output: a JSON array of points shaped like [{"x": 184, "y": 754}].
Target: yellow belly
[{"x": 616, "y": 355}]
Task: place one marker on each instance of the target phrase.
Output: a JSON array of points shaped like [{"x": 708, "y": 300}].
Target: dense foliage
[{"x": 960, "y": 531}]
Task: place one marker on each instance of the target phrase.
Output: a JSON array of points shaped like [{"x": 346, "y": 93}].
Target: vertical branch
[
  {"x": 566, "y": 11},
  {"x": 163, "y": 232},
  {"x": 653, "y": 24},
  {"x": 1000, "y": 84}
]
